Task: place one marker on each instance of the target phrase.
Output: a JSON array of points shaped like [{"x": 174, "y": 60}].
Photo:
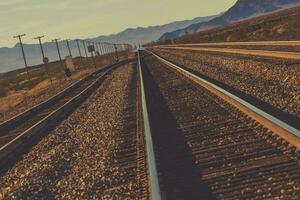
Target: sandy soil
[{"x": 19, "y": 101}]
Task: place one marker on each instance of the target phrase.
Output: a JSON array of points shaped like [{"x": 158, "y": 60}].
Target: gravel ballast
[
  {"x": 82, "y": 157},
  {"x": 274, "y": 81}
]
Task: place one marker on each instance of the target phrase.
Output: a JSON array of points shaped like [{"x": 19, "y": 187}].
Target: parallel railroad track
[
  {"x": 13, "y": 131},
  {"x": 240, "y": 51},
  {"x": 259, "y": 43},
  {"x": 131, "y": 153},
  {"x": 35, "y": 122},
  {"x": 181, "y": 141},
  {"x": 130, "y": 156},
  {"x": 283, "y": 46},
  {"x": 206, "y": 148}
]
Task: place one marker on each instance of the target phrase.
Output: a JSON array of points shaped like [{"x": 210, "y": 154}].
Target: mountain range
[
  {"x": 243, "y": 9},
  {"x": 11, "y": 58}
]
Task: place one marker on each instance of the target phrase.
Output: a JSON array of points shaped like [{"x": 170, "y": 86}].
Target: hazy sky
[{"x": 89, "y": 18}]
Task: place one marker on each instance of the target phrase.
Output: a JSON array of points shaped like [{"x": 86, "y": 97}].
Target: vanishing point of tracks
[{"x": 207, "y": 149}]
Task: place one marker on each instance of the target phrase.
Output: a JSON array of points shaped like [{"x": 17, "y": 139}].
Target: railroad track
[
  {"x": 279, "y": 49},
  {"x": 259, "y": 43},
  {"x": 208, "y": 146},
  {"x": 240, "y": 51},
  {"x": 16, "y": 133},
  {"x": 131, "y": 155},
  {"x": 125, "y": 173},
  {"x": 135, "y": 154},
  {"x": 179, "y": 140}
]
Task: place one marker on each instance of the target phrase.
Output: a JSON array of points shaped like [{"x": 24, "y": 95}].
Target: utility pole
[
  {"x": 107, "y": 48},
  {"x": 70, "y": 53},
  {"x": 79, "y": 51},
  {"x": 45, "y": 59},
  {"x": 23, "y": 53},
  {"x": 94, "y": 56},
  {"x": 116, "y": 50},
  {"x": 101, "y": 48},
  {"x": 89, "y": 44},
  {"x": 104, "y": 48},
  {"x": 86, "y": 55},
  {"x": 97, "y": 45},
  {"x": 58, "y": 51},
  {"x": 126, "y": 49},
  {"x": 39, "y": 38},
  {"x": 111, "y": 48}
]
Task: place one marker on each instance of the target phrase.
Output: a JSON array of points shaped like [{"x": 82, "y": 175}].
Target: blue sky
[{"x": 89, "y": 18}]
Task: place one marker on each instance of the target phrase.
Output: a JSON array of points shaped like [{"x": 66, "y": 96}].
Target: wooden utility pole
[
  {"x": 105, "y": 48},
  {"x": 91, "y": 47},
  {"x": 58, "y": 51},
  {"x": 101, "y": 48},
  {"x": 98, "y": 49},
  {"x": 23, "y": 53},
  {"x": 116, "y": 51},
  {"x": 45, "y": 59},
  {"x": 70, "y": 53},
  {"x": 79, "y": 51},
  {"x": 84, "y": 46}
]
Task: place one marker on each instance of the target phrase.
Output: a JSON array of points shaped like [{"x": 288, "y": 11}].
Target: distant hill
[
  {"x": 11, "y": 58},
  {"x": 144, "y": 35},
  {"x": 242, "y": 10},
  {"x": 281, "y": 25}
]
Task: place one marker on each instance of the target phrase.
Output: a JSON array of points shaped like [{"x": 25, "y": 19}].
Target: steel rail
[
  {"x": 39, "y": 106},
  {"x": 259, "y": 43},
  {"x": 22, "y": 116},
  {"x": 264, "y": 53},
  {"x": 154, "y": 183},
  {"x": 16, "y": 145},
  {"x": 282, "y": 129}
]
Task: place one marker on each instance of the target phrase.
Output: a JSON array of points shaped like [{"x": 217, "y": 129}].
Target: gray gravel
[
  {"x": 77, "y": 160},
  {"x": 274, "y": 81}
]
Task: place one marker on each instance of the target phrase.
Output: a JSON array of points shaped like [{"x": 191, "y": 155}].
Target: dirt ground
[{"x": 15, "y": 101}]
